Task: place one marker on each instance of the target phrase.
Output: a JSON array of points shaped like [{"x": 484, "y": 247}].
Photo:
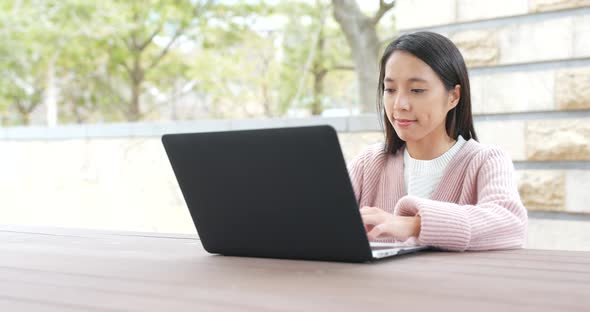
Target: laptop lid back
[{"x": 280, "y": 193}]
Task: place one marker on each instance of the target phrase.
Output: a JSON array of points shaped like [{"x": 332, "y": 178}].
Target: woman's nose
[{"x": 401, "y": 102}]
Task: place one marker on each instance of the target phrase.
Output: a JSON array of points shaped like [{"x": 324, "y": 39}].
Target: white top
[{"x": 422, "y": 176}]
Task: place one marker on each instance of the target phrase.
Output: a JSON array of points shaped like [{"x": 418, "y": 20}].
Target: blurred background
[{"x": 87, "y": 88}]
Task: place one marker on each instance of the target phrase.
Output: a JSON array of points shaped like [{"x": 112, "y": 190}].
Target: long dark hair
[{"x": 444, "y": 58}]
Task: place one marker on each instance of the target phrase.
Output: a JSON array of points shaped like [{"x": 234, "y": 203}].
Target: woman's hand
[{"x": 381, "y": 224}]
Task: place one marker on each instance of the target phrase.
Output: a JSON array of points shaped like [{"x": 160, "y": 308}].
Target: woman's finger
[
  {"x": 373, "y": 219},
  {"x": 381, "y": 231}
]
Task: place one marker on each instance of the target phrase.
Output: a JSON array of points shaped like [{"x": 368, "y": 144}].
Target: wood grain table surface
[{"x": 57, "y": 269}]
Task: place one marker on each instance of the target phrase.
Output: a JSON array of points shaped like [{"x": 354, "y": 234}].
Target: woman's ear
[{"x": 454, "y": 97}]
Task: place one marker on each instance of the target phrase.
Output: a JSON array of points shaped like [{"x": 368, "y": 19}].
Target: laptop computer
[{"x": 273, "y": 193}]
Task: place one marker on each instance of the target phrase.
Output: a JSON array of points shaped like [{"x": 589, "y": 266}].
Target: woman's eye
[
  {"x": 389, "y": 90},
  {"x": 418, "y": 90}
]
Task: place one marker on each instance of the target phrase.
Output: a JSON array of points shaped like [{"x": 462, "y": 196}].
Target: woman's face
[{"x": 415, "y": 99}]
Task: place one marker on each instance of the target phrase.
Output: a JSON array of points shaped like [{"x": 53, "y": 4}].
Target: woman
[{"x": 431, "y": 179}]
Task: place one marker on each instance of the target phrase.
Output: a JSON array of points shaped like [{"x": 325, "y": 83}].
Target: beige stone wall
[
  {"x": 572, "y": 88},
  {"x": 558, "y": 140},
  {"x": 543, "y": 190},
  {"x": 539, "y": 140},
  {"x": 532, "y": 90},
  {"x": 558, "y": 234},
  {"x": 552, "y": 5},
  {"x": 414, "y": 14},
  {"x": 479, "y": 47},
  {"x": 551, "y": 39}
]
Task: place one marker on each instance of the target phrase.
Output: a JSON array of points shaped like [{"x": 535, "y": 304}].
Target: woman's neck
[{"x": 431, "y": 146}]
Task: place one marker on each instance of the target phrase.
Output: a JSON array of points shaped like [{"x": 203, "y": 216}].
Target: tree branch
[
  {"x": 19, "y": 106},
  {"x": 134, "y": 32},
  {"x": 176, "y": 35},
  {"x": 383, "y": 8},
  {"x": 341, "y": 67},
  {"x": 144, "y": 44},
  {"x": 127, "y": 42},
  {"x": 127, "y": 68},
  {"x": 165, "y": 50}
]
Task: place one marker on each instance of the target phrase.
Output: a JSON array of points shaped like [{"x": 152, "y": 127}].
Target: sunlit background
[{"x": 88, "y": 87}]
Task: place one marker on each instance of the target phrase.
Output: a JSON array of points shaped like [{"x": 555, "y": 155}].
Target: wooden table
[{"x": 52, "y": 269}]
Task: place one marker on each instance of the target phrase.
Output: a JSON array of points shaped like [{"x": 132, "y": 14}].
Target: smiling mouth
[{"x": 404, "y": 122}]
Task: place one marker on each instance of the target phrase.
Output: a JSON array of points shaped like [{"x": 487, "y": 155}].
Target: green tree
[
  {"x": 314, "y": 47},
  {"x": 362, "y": 37},
  {"x": 237, "y": 71},
  {"x": 128, "y": 60},
  {"x": 133, "y": 51},
  {"x": 40, "y": 39},
  {"x": 22, "y": 64}
]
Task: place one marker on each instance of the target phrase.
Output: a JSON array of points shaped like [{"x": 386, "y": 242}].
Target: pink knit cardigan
[{"x": 476, "y": 205}]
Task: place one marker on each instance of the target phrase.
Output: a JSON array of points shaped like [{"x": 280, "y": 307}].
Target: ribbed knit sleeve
[
  {"x": 497, "y": 221},
  {"x": 355, "y": 171}
]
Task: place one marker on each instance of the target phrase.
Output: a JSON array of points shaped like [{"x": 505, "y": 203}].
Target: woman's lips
[{"x": 404, "y": 122}]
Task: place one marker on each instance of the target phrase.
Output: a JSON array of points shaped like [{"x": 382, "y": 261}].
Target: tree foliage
[{"x": 108, "y": 61}]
